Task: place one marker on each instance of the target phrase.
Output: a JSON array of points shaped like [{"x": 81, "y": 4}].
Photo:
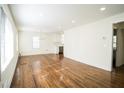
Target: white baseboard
[{"x": 36, "y": 53}]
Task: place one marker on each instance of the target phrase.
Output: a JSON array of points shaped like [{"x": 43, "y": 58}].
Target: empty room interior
[{"x": 62, "y": 45}]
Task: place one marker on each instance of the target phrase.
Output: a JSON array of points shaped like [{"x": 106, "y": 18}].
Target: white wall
[
  {"x": 7, "y": 74},
  {"x": 47, "y": 42},
  {"x": 92, "y": 43}
]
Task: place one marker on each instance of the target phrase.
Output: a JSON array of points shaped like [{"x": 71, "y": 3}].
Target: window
[
  {"x": 1, "y": 46},
  {"x": 62, "y": 38},
  {"x": 114, "y": 41},
  {"x": 8, "y": 41},
  {"x": 7, "y": 49},
  {"x": 36, "y": 42}
]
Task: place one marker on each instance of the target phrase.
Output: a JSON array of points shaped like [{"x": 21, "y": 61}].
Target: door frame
[{"x": 116, "y": 43}]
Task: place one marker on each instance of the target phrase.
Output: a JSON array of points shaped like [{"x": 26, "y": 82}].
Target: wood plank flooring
[{"x": 56, "y": 71}]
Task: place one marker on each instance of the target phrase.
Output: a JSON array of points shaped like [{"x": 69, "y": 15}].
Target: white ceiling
[{"x": 58, "y": 17}]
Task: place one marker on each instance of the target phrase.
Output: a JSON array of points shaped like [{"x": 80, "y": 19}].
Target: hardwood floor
[{"x": 44, "y": 71}]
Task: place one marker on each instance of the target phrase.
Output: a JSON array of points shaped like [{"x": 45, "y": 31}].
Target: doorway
[{"x": 118, "y": 45}]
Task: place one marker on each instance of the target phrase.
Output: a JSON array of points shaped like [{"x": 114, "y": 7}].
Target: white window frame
[
  {"x": 62, "y": 38},
  {"x": 2, "y": 31},
  {"x": 7, "y": 46}
]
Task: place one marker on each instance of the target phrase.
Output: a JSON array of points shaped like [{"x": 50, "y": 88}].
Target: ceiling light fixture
[
  {"x": 73, "y": 21},
  {"x": 102, "y": 9},
  {"x": 41, "y": 14}
]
